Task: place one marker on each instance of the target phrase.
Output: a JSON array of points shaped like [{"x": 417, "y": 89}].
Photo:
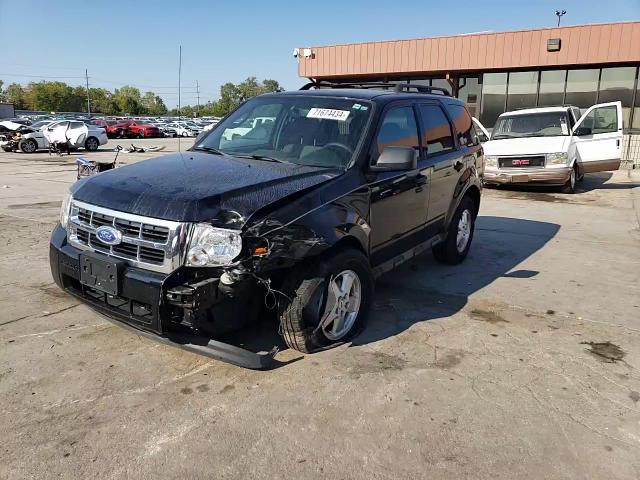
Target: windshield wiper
[
  {"x": 215, "y": 151},
  {"x": 260, "y": 157}
]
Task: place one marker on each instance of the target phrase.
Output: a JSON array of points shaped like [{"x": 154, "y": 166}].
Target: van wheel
[
  {"x": 327, "y": 303},
  {"x": 570, "y": 186},
  {"x": 459, "y": 236}
]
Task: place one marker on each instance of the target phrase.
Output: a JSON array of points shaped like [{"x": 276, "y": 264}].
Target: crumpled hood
[
  {"x": 526, "y": 146},
  {"x": 197, "y": 187}
]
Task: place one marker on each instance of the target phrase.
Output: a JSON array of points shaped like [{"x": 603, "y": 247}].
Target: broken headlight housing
[
  {"x": 65, "y": 209},
  {"x": 491, "y": 160},
  {"x": 559, "y": 158},
  {"x": 213, "y": 247}
]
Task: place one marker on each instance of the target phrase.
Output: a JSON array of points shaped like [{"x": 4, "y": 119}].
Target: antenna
[
  {"x": 198, "y": 92},
  {"x": 559, "y": 14},
  {"x": 179, "y": 86}
]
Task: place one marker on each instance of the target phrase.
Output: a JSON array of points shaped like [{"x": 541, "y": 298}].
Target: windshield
[
  {"x": 305, "y": 130},
  {"x": 547, "y": 124}
]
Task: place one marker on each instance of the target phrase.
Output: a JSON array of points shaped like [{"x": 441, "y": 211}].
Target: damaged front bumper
[{"x": 184, "y": 309}]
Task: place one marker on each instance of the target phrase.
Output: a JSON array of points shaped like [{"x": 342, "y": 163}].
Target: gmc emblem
[{"x": 519, "y": 162}]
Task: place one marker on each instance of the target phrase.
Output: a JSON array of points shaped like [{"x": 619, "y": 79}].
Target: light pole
[{"x": 559, "y": 14}]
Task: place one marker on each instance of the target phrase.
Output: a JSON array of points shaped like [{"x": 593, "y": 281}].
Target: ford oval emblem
[{"x": 108, "y": 235}]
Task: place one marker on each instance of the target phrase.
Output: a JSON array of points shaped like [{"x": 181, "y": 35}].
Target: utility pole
[
  {"x": 198, "y": 93},
  {"x": 559, "y": 14},
  {"x": 179, "y": 87},
  {"x": 86, "y": 77}
]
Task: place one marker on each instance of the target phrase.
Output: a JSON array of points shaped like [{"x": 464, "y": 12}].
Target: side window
[
  {"x": 602, "y": 120},
  {"x": 398, "y": 129},
  {"x": 437, "y": 136},
  {"x": 464, "y": 126}
]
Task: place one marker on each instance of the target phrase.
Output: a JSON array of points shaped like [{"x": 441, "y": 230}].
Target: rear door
[
  {"x": 597, "y": 138},
  {"x": 443, "y": 156}
]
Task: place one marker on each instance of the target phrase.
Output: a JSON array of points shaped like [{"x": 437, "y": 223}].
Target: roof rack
[{"x": 397, "y": 87}]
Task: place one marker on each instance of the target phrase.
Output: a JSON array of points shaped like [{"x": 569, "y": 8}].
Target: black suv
[{"x": 292, "y": 205}]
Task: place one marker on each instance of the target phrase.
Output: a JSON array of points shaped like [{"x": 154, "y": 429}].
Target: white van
[{"x": 553, "y": 145}]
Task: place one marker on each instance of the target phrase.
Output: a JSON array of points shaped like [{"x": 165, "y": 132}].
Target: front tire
[
  {"x": 326, "y": 303},
  {"x": 28, "y": 145},
  {"x": 459, "y": 236},
  {"x": 570, "y": 186}
]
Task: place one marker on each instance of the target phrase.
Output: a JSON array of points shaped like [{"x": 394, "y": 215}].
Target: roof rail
[{"x": 397, "y": 87}]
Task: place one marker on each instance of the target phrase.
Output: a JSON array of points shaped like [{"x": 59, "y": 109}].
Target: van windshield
[
  {"x": 305, "y": 130},
  {"x": 547, "y": 124}
]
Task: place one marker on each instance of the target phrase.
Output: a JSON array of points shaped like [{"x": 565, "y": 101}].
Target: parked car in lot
[
  {"x": 341, "y": 186},
  {"x": 246, "y": 126},
  {"x": 182, "y": 129},
  {"x": 78, "y": 134},
  {"x": 113, "y": 128},
  {"x": 142, "y": 129},
  {"x": 554, "y": 145}
]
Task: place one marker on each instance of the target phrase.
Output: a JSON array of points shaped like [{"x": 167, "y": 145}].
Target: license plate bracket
[
  {"x": 520, "y": 178},
  {"x": 101, "y": 274}
]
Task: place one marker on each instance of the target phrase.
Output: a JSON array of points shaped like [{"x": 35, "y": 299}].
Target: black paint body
[{"x": 300, "y": 212}]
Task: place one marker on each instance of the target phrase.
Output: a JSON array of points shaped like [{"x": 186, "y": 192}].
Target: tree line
[{"x": 59, "y": 97}]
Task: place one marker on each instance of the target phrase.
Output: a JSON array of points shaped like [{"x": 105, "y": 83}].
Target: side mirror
[
  {"x": 397, "y": 158},
  {"x": 582, "y": 131},
  {"x": 482, "y": 138}
]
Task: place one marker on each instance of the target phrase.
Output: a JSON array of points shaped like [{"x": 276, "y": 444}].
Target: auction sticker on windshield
[{"x": 328, "y": 114}]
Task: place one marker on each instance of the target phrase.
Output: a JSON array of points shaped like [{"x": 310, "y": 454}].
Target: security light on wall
[{"x": 308, "y": 53}]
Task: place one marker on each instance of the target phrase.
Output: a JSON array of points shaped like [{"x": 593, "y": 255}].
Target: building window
[
  {"x": 552, "y": 88},
  {"x": 582, "y": 87},
  {"x": 469, "y": 89},
  {"x": 523, "y": 87},
  {"x": 494, "y": 96},
  {"x": 441, "y": 83},
  {"x": 616, "y": 84}
]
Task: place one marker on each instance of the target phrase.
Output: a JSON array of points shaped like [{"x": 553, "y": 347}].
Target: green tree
[
  {"x": 16, "y": 94},
  {"x": 102, "y": 101},
  {"x": 153, "y": 104},
  {"x": 52, "y": 96},
  {"x": 232, "y": 95},
  {"x": 128, "y": 100}
]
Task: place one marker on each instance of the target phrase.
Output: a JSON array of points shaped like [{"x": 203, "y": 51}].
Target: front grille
[
  {"x": 150, "y": 243},
  {"x": 521, "y": 162}
]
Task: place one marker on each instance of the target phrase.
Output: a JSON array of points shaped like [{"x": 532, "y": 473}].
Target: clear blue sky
[{"x": 136, "y": 42}]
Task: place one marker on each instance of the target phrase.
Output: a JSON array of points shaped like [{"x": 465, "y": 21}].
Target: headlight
[
  {"x": 559, "y": 158},
  {"x": 211, "y": 247},
  {"x": 64, "y": 210},
  {"x": 491, "y": 161}
]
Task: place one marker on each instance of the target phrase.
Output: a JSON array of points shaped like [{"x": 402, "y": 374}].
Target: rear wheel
[
  {"x": 91, "y": 144},
  {"x": 455, "y": 247},
  {"x": 326, "y": 304},
  {"x": 28, "y": 145}
]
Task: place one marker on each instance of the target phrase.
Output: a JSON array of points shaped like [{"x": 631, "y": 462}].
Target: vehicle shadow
[{"x": 423, "y": 290}]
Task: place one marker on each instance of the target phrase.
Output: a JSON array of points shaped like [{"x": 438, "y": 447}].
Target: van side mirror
[
  {"x": 482, "y": 138},
  {"x": 397, "y": 158},
  {"x": 582, "y": 131}
]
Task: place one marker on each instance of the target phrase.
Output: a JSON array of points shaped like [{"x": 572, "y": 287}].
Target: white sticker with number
[{"x": 329, "y": 114}]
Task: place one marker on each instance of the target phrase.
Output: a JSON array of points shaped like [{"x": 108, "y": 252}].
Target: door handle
[
  {"x": 618, "y": 143},
  {"x": 458, "y": 165}
]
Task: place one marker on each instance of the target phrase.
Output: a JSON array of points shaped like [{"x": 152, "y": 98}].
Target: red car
[
  {"x": 113, "y": 127},
  {"x": 141, "y": 129}
]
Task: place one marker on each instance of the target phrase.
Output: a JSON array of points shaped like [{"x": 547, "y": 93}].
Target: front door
[
  {"x": 398, "y": 198},
  {"x": 597, "y": 138}
]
